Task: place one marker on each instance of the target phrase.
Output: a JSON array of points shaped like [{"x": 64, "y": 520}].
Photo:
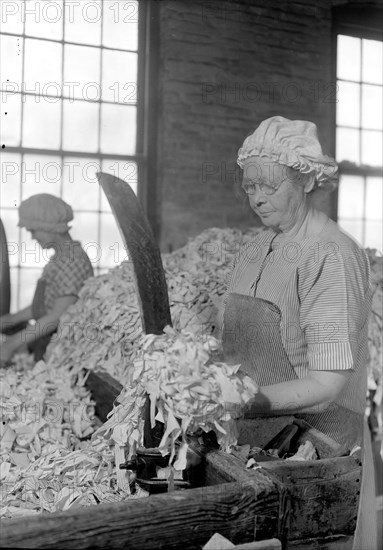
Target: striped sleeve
[{"x": 332, "y": 297}]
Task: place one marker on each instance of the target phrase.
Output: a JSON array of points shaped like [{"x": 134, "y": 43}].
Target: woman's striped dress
[{"x": 321, "y": 285}]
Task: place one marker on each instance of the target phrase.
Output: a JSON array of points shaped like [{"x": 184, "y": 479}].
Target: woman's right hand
[
  {"x": 5, "y": 322},
  {"x": 10, "y": 320}
]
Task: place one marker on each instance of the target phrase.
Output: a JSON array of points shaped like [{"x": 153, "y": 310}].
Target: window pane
[
  {"x": 41, "y": 123},
  {"x": 10, "y": 219},
  {"x": 44, "y": 19},
  {"x": 118, "y": 129},
  {"x": 113, "y": 252},
  {"x": 10, "y": 179},
  {"x": 10, "y": 126},
  {"x": 347, "y": 145},
  {"x": 11, "y": 19},
  {"x": 120, "y": 24},
  {"x": 11, "y": 57},
  {"x": 351, "y": 197},
  {"x": 125, "y": 170},
  {"x": 83, "y": 22},
  {"x": 14, "y": 290},
  {"x": 119, "y": 77},
  {"x": 43, "y": 67},
  {"x": 85, "y": 230},
  {"x": 80, "y": 126},
  {"x": 372, "y": 105},
  {"x": 41, "y": 174},
  {"x": 82, "y": 72},
  {"x": 354, "y": 228},
  {"x": 347, "y": 112},
  {"x": 372, "y": 148},
  {"x": 373, "y": 238},
  {"x": 372, "y": 61},
  {"x": 374, "y": 198},
  {"x": 348, "y": 58},
  {"x": 27, "y": 285},
  {"x": 80, "y": 185}
]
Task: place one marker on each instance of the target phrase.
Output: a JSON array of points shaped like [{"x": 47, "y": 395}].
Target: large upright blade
[
  {"x": 5, "y": 282},
  {"x": 143, "y": 251}
]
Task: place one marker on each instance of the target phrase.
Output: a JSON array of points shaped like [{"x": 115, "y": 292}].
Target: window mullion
[
  {"x": 62, "y": 106},
  {"x": 360, "y": 101}
]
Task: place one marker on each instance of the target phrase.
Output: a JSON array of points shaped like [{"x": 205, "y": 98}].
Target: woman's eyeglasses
[{"x": 249, "y": 188}]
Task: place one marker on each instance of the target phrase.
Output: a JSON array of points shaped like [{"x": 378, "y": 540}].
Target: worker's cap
[
  {"x": 45, "y": 212},
  {"x": 292, "y": 143}
]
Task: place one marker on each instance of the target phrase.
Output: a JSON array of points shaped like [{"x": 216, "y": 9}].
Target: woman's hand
[
  {"x": 5, "y": 322},
  {"x": 43, "y": 327},
  {"x": 10, "y": 320},
  {"x": 7, "y": 350}
]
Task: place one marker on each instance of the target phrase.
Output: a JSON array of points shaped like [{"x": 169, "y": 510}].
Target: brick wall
[{"x": 224, "y": 67}]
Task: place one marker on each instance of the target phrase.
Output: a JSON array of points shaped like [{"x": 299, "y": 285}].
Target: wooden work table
[{"x": 306, "y": 505}]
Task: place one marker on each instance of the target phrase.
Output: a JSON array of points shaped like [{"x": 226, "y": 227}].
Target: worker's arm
[
  {"x": 43, "y": 327},
  {"x": 311, "y": 394},
  {"x": 9, "y": 320}
]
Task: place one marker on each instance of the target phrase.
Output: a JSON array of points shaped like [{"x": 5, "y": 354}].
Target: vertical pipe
[{"x": 148, "y": 109}]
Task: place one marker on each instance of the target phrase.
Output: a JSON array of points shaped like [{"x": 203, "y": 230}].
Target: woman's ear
[{"x": 309, "y": 182}]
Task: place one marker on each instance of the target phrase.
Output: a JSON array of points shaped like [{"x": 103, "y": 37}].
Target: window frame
[
  {"x": 364, "y": 22},
  {"x": 146, "y": 116}
]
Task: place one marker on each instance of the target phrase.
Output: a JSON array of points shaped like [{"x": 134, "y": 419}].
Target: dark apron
[
  {"x": 252, "y": 337},
  {"x": 39, "y": 347}
]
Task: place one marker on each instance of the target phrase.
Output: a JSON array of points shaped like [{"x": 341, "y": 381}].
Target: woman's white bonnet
[{"x": 292, "y": 143}]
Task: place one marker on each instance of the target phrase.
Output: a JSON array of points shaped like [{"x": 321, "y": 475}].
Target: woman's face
[
  {"x": 44, "y": 238},
  {"x": 275, "y": 193}
]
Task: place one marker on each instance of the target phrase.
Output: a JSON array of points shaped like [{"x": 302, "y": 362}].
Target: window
[
  {"x": 68, "y": 109},
  {"x": 359, "y": 131}
]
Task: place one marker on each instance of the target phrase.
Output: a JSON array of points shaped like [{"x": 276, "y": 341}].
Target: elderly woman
[
  {"x": 298, "y": 299},
  {"x": 47, "y": 218}
]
